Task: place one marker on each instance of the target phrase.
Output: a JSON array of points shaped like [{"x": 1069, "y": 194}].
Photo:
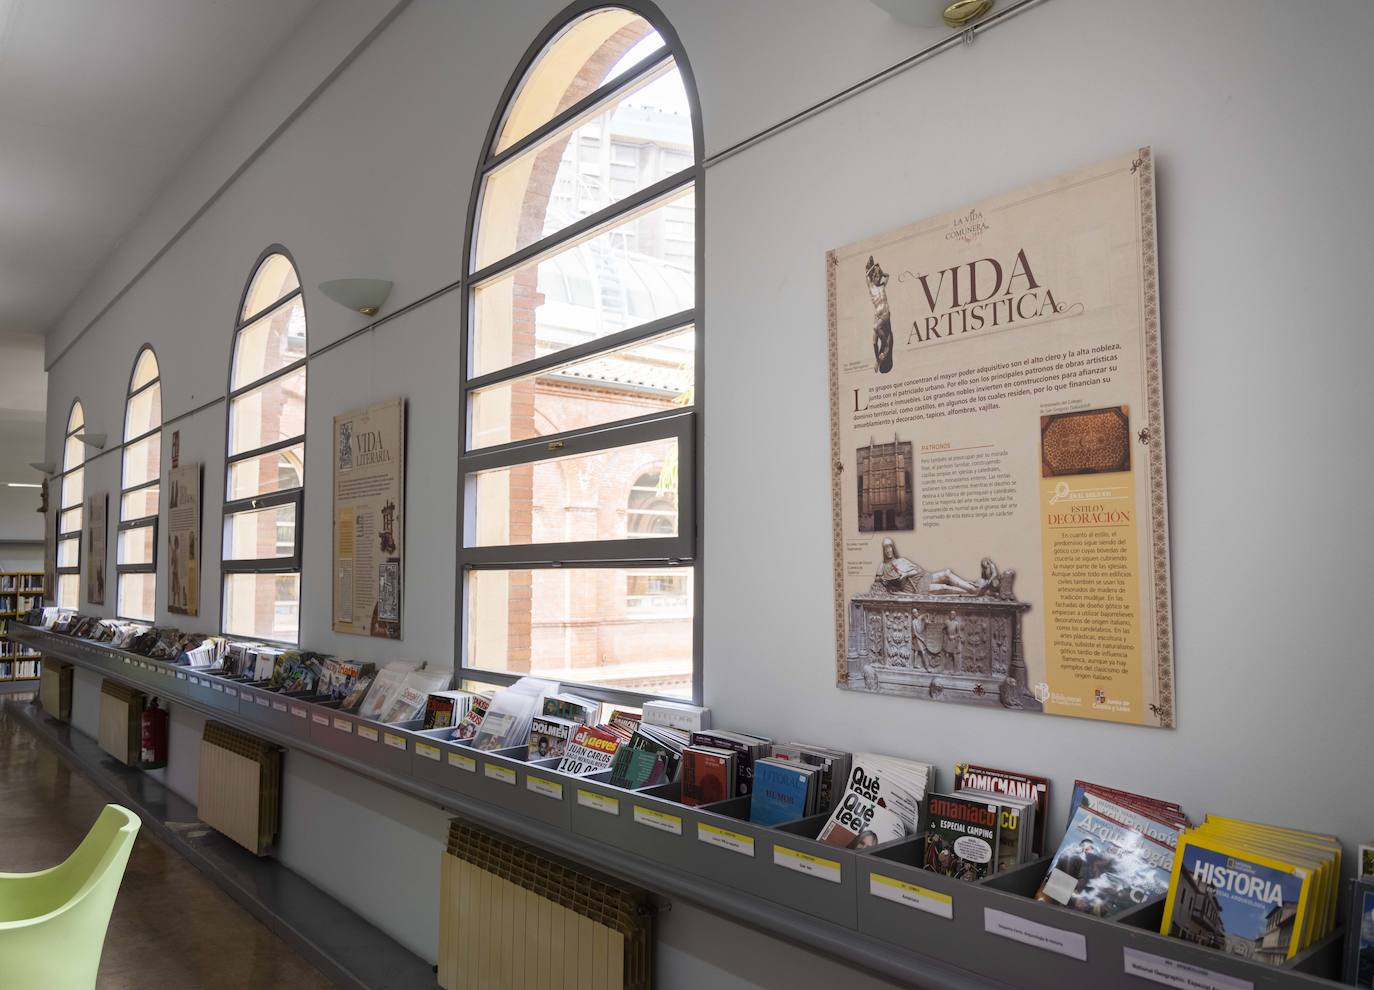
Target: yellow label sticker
[
  {"x": 910, "y": 895},
  {"x": 812, "y": 866},
  {"x": 343, "y": 724},
  {"x": 367, "y": 732},
  {"x": 548, "y": 788},
  {"x": 725, "y": 839},
  {"x": 319, "y": 718},
  {"x": 462, "y": 762},
  {"x": 660, "y": 820},
  {"x": 298, "y": 712},
  {"x": 504, "y": 774},
  {"x": 264, "y": 702},
  {"x": 279, "y": 706},
  {"x": 217, "y": 687},
  {"x": 394, "y": 741},
  {"x": 598, "y": 802},
  {"x": 427, "y": 751}
]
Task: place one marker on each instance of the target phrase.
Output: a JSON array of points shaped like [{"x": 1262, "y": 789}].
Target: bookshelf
[{"x": 19, "y": 592}]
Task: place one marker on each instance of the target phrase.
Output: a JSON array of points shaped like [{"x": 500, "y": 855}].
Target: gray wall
[{"x": 1258, "y": 116}]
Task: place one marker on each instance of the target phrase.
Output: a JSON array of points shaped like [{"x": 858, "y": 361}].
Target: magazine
[{"x": 962, "y": 836}]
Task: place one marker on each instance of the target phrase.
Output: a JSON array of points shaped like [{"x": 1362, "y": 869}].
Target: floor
[{"x": 171, "y": 927}]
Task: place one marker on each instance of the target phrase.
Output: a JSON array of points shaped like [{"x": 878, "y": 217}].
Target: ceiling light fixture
[
  {"x": 362, "y": 295},
  {"x": 934, "y": 13},
  {"x": 22, "y": 484}
]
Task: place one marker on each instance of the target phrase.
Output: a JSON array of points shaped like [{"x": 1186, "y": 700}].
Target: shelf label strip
[
  {"x": 1065, "y": 943},
  {"x": 910, "y": 895}
]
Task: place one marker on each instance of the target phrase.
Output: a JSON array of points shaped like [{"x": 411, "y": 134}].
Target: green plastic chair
[{"x": 52, "y": 923}]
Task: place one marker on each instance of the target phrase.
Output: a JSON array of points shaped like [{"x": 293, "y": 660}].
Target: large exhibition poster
[
  {"x": 369, "y": 509},
  {"x": 183, "y": 533},
  {"x": 97, "y": 507},
  {"x": 998, "y": 454}
]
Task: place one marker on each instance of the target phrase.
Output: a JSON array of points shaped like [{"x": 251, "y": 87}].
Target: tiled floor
[{"x": 172, "y": 927}]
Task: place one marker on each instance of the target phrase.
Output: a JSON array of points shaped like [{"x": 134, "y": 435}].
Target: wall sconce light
[
  {"x": 362, "y": 295},
  {"x": 43, "y": 467},
  {"x": 96, "y": 440},
  {"x": 933, "y": 13}
]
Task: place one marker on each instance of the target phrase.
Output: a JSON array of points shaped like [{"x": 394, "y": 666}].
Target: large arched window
[
  {"x": 139, "y": 488},
  {"x": 581, "y": 354},
  {"x": 266, "y": 456},
  {"x": 69, "y": 510}
]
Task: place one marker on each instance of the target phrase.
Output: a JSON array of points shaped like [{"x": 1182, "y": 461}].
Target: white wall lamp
[
  {"x": 933, "y": 13},
  {"x": 362, "y": 295},
  {"x": 43, "y": 467},
  {"x": 96, "y": 440}
]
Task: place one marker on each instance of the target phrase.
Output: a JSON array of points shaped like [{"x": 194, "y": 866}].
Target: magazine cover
[
  {"x": 1359, "y": 965},
  {"x": 972, "y": 777},
  {"x": 472, "y": 721},
  {"x": 862, "y": 818},
  {"x": 780, "y": 793},
  {"x": 1239, "y": 902},
  {"x": 549, "y": 736},
  {"x": 1104, "y": 866},
  {"x": 591, "y": 750},
  {"x": 706, "y": 776},
  {"x": 962, "y": 837}
]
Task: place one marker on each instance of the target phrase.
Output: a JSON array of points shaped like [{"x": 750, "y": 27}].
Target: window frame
[
  {"x": 230, "y": 507},
  {"x": 142, "y": 522},
  {"x": 71, "y": 535},
  {"x": 686, "y": 425}
]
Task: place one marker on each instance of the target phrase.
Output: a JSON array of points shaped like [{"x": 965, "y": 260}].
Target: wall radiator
[
  {"x": 511, "y": 917},
  {"x": 121, "y": 722},
  {"x": 240, "y": 787}
]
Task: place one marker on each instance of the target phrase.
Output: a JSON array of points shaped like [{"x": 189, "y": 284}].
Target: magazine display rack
[{"x": 875, "y": 908}]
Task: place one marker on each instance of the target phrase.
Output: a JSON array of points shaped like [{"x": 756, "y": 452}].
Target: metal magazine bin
[
  {"x": 255, "y": 702},
  {"x": 506, "y": 778},
  {"x": 652, "y": 822},
  {"x": 809, "y": 875},
  {"x": 452, "y": 765},
  {"x": 726, "y": 847}
]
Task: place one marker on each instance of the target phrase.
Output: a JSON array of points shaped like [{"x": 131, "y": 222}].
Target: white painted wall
[{"x": 1258, "y": 116}]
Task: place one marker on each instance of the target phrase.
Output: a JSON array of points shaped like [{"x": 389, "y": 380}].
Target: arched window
[
  {"x": 139, "y": 489},
  {"x": 266, "y": 456},
  {"x": 581, "y": 347},
  {"x": 70, "y": 510}
]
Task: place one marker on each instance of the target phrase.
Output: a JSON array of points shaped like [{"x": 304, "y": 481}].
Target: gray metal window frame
[
  {"x": 275, "y": 566},
  {"x": 142, "y": 522},
  {"x": 686, "y": 425},
  {"x": 58, "y": 569}
]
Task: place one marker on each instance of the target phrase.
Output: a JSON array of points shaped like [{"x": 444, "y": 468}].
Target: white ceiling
[{"x": 100, "y": 102}]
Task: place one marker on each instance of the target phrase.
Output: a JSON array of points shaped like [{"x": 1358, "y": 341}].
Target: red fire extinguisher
[{"x": 153, "y": 755}]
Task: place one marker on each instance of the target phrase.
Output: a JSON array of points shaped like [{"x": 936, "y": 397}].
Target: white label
[
  {"x": 909, "y": 894},
  {"x": 367, "y": 732},
  {"x": 319, "y": 718},
  {"x": 343, "y": 724},
  {"x": 181, "y": 676},
  {"x": 127, "y": 660},
  {"x": 217, "y": 687},
  {"x": 232, "y": 692},
  {"x": 264, "y": 702},
  {"x": 660, "y": 820},
  {"x": 394, "y": 741},
  {"x": 1172, "y": 973},
  {"x": 462, "y": 762},
  {"x": 279, "y": 706},
  {"x": 812, "y": 866},
  {"x": 427, "y": 751},
  {"x": 504, "y": 774},
  {"x": 298, "y": 712},
  {"x": 196, "y": 680},
  {"x": 598, "y": 802},
  {"x": 1058, "y": 940},
  {"x": 548, "y": 788},
  {"x": 725, "y": 839}
]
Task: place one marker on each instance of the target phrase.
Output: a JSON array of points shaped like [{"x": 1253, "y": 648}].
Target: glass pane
[
  {"x": 71, "y": 520},
  {"x": 626, "y": 275},
  {"x": 143, "y": 460},
  {"x": 573, "y": 499},
  {"x": 69, "y": 552},
  {"x": 144, "y": 411},
  {"x": 263, "y": 606},
  {"x": 73, "y": 454},
  {"x": 270, "y": 344},
  {"x": 268, "y": 414},
  {"x": 138, "y": 596},
  {"x": 646, "y": 377},
  {"x": 145, "y": 370},
  {"x": 591, "y": 51},
  {"x": 69, "y": 591},
  {"x": 644, "y": 136},
  {"x": 136, "y": 545},
  {"x": 276, "y": 277},
  {"x": 260, "y": 534},
  {"x": 136, "y": 505},
  {"x": 267, "y": 473},
  {"x": 73, "y": 488},
  {"x": 77, "y": 419},
  {"x": 623, "y": 628}
]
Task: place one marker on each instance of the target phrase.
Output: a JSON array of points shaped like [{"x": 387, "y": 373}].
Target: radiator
[
  {"x": 240, "y": 787},
  {"x": 511, "y": 917},
  {"x": 121, "y": 722},
  {"x": 55, "y": 689}
]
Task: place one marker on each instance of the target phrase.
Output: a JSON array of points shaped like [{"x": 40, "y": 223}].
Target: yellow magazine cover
[
  {"x": 1232, "y": 899},
  {"x": 1321, "y": 852}
]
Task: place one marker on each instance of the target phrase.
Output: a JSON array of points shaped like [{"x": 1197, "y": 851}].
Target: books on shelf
[
  {"x": 445, "y": 709},
  {"x": 1016, "y": 827},
  {"x": 676, "y": 715},
  {"x": 583, "y": 711},
  {"x": 833, "y": 764},
  {"x": 883, "y": 799},
  {"x": 1253, "y": 890},
  {"x": 746, "y": 747},
  {"x": 507, "y": 719},
  {"x": 591, "y": 750},
  {"x": 1018, "y": 785},
  {"x": 784, "y": 791},
  {"x": 709, "y": 774},
  {"x": 466, "y": 729}
]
